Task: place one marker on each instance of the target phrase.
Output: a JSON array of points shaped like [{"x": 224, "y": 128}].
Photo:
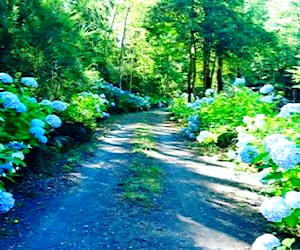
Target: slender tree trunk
[
  {"x": 110, "y": 30},
  {"x": 220, "y": 74},
  {"x": 207, "y": 80},
  {"x": 122, "y": 49}
]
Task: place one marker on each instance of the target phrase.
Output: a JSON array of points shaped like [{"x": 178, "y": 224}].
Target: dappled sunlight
[{"x": 199, "y": 233}]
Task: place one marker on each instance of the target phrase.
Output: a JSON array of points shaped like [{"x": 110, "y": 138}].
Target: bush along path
[{"x": 143, "y": 189}]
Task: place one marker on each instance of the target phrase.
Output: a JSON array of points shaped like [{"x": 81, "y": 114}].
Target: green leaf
[{"x": 288, "y": 242}]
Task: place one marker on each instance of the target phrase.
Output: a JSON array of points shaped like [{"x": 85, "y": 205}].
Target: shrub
[
  {"x": 24, "y": 124},
  {"x": 86, "y": 108}
]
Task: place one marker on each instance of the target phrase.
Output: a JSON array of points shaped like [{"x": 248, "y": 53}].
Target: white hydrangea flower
[
  {"x": 272, "y": 139},
  {"x": 244, "y": 139},
  {"x": 292, "y": 199},
  {"x": 265, "y": 242},
  {"x": 209, "y": 92},
  {"x": 259, "y": 121},
  {"x": 275, "y": 209},
  {"x": 266, "y": 89},
  {"x": 205, "y": 135}
]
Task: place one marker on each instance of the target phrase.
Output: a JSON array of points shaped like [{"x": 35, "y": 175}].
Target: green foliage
[
  {"x": 228, "y": 110},
  {"x": 86, "y": 109},
  {"x": 179, "y": 109}
]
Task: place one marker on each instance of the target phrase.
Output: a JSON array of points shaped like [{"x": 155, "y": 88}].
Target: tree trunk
[
  {"x": 207, "y": 80},
  {"x": 220, "y": 74},
  {"x": 122, "y": 49}
]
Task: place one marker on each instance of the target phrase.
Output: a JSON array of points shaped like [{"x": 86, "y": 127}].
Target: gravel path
[{"x": 204, "y": 204}]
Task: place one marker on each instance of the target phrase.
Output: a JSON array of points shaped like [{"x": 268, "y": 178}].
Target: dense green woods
[{"x": 159, "y": 46}]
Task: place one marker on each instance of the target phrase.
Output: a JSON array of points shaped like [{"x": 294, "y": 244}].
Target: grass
[
  {"x": 143, "y": 140},
  {"x": 144, "y": 182},
  {"x": 145, "y": 178}
]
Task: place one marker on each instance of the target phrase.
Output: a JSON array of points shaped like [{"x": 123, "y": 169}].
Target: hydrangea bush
[
  {"x": 263, "y": 139},
  {"x": 24, "y": 124},
  {"x": 86, "y": 108},
  {"x": 277, "y": 143},
  {"x": 123, "y": 101}
]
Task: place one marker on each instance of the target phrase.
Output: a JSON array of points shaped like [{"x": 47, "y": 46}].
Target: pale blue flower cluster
[
  {"x": 193, "y": 127},
  {"x": 46, "y": 103},
  {"x": 270, "y": 140},
  {"x": 248, "y": 154},
  {"x": 32, "y": 99},
  {"x": 267, "y": 99},
  {"x": 29, "y": 82},
  {"x": 130, "y": 100},
  {"x": 239, "y": 82},
  {"x": 59, "y": 105},
  {"x": 54, "y": 121},
  {"x": 289, "y": 109},
  {"x": 21, "y": 108},
  {"x": 6, "y": 78},
  {"x": 11, "y": 101},
  {"x": 275, "y": 209},
  {"x": 266, "y": 242},
  {"x": 292, "y": 199},
  {"x": 6, "y": 201},
  {"x": 37, "y": 123},
  {"x": 37, "y": 132},
  {"x": 285, "y": 154},
  {"x": 266, "y": 89}
]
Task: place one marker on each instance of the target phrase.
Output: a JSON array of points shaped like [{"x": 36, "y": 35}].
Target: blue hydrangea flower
[
  {"x": 285, "y": 154},
  {"x": 266, "y": 242},
  {"x": 7, "y": 166},
  {"x": 6, "y": 201},
  {"x": 292, "y": 199},
  {"x": 6, "y": 78},
  {"x": 21, "y": 108},
  {"x": 37, "y": 132},
  {"x": 275, "y": 209},
  {"x": 266, "y": 89},
  {"x": 37, "y": 123},
  {"x": 43, "y": 139},
  {"x": 248, "y": 154},
  {"x": 54, "y": 121},
  {"x": 29, "y": 82},
  {"x": 10, "y": 100},
  {"x": 59, "y": 105},
  {"x": 46, "y": 103},
  {"x": 16, "y": 145},
  {"x": 270, "y": 140},
  {"x": 32, "y": 99}
]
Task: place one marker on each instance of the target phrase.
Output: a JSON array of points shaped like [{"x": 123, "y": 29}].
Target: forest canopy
[{"x": 163, "y": 47}]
